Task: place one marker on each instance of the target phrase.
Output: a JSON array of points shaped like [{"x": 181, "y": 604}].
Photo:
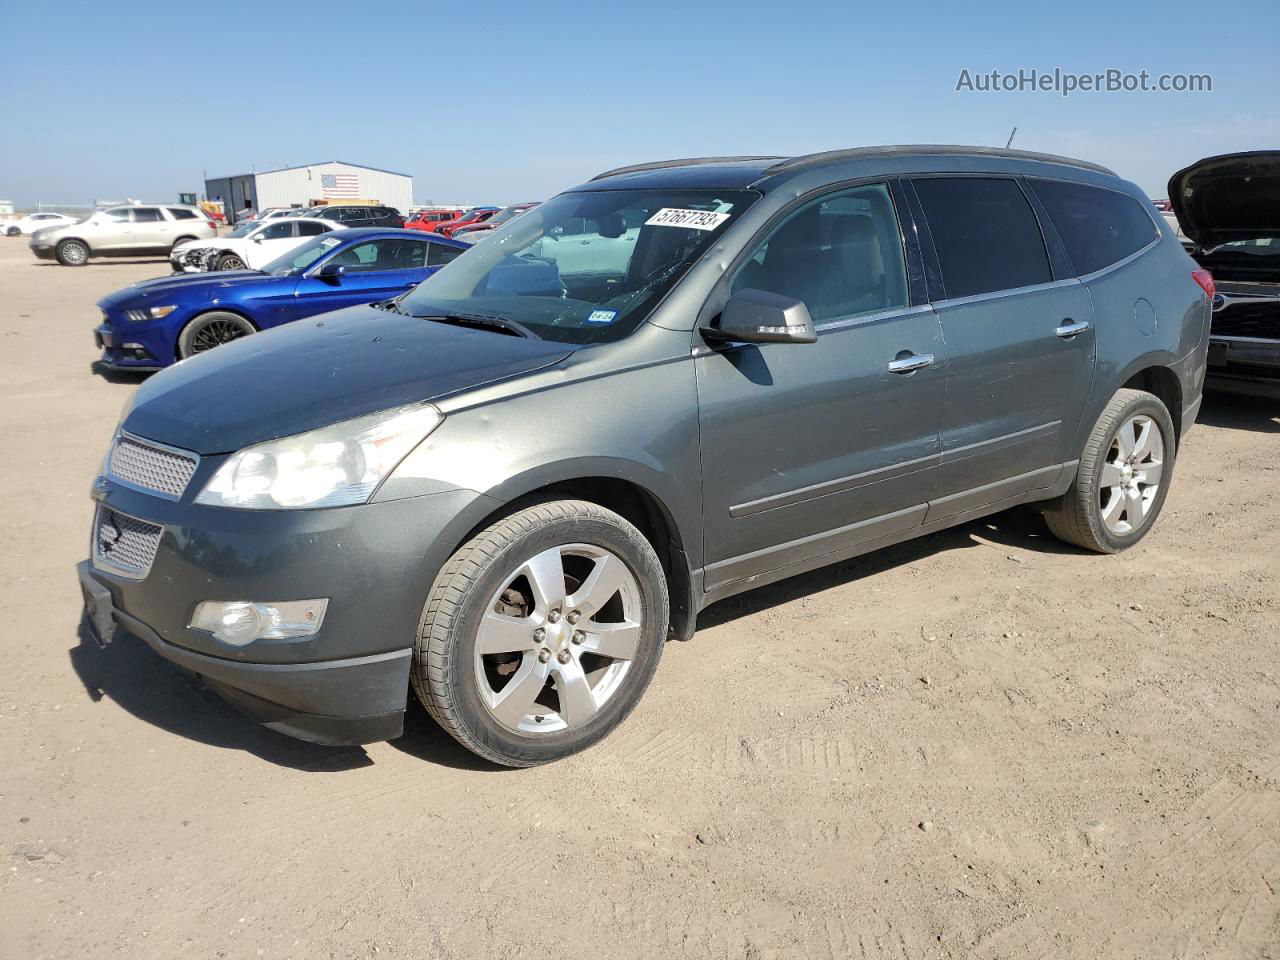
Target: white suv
[{"x": 136, "y": 230}]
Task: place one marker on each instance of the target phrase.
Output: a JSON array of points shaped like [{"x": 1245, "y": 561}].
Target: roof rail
[
  {"x": 930, "y": 149},
  {"x": 688, "y": 162}
]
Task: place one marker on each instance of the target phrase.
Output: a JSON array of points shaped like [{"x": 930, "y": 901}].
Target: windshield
[
  {"x": 1258, "y": 247},
  {"x": 507, "y": 213},
  {"x": 244, "y": 229},
  {"x": 300, "y": 258},
  {"x": 583, "y": 267}
]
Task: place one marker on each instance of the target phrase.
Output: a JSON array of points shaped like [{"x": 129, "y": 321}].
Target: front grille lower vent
[
  {"x": 151, "y": 467},
  {"x": 124, "y": 544}
]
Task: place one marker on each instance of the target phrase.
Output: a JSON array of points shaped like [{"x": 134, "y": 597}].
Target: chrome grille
[
  {"x": 123, "y": 543},
  {"x": 151, "y": 467}
]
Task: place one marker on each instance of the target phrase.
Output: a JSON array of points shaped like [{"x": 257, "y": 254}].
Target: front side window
[
  {"x": 985, "y": 233},
  {"x": 385, "y": 254},
  {"x": 583, "y": 267},
  {"x": 1098, "y": 227},
  {"x": 841, "y": 255},
  {"x": 298, "y": 260},
  {"x": 119, "y": 215},
  {"x": 277, "y": 231},
  {"x": 146, "y": 215}
]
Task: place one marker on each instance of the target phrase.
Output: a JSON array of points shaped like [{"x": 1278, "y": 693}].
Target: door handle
[
  {"x": 1070, "y": 328},
  {"x": 911, "y": 362}
]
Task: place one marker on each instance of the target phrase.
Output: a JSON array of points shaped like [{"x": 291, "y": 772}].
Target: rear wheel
[
  {"x": 1123, "y": 477},
  {"x": 541, "y": 633},
  {"x": 72, "y": 253},
  {"x": 229, "y": 261},
  {"x": 12, "y": 232},
  {"x": 211, "y": 330}
]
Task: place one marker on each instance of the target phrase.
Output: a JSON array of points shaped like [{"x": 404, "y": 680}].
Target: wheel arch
[
  {"x": 628, "y": 498},
  {"x": 1163, "y": 382},
  {"x": 78, "y": 239},
  {"x": 243, "y": 315}
]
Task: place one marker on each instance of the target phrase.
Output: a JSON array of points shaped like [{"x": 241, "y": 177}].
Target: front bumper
[
  {"x": 42, "y": 252},
  {"x": 1244, "y": 365},
  {"x": 376, "y": 562},
  {"x": 136, "y": 352}
]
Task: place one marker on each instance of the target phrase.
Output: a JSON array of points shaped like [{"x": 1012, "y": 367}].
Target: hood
[
  {"x": 213, "y": 285},
  {"x": 321, "y": 370},
  {"x": 1232, "y": 197}
]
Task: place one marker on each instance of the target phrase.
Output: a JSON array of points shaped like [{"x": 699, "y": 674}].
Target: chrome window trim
[
  {"x": 1011, "y": 292},
  {"x": 1227, "y": 338},
  {"x": 1086, "y": 277},
  {"x": 860, "y": 319},
  {"x": 150, "y": 491}
]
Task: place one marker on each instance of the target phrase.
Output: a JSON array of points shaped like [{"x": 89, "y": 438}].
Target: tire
[
  {"x": 211, "y": 330},
  {"x": 229, "y": 261},
  {"x": 72, "y": 253},
  {"x": 1123, "y": 477},
  {"x": 561, "y": 686},
  {"x": 12, "y": 232}
]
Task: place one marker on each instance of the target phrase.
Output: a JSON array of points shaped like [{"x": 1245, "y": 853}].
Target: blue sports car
[{"x": 158, "y": 322}]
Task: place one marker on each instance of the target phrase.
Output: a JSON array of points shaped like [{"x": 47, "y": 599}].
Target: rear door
[
  {"x": 1020, "y": 340},
  {"x": 811, "y": 449}
]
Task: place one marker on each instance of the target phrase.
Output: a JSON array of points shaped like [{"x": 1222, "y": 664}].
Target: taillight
[{"x": 1205, "y": 279}]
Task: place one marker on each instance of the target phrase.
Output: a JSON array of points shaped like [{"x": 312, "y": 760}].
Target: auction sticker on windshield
[{"x": 691, "y": 219}]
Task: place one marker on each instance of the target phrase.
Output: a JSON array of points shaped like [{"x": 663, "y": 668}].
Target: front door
[
  {"x": 1020, "y": 344},
  {"x": 373, "y": 270},
  {"x": 810, "y": 449}
]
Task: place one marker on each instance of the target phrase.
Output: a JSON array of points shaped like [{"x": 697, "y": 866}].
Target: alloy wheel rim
[
  {"x": 74, "y": 252},
  {"x": 1131, "y": 475},
  {"x": 557, "y": 639},
  {"x": 214, "y": 333},
  {"x": 232, "y": 263}
]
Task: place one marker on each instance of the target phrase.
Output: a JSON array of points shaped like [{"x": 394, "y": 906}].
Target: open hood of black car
[{"x": 1232, "y": 197}]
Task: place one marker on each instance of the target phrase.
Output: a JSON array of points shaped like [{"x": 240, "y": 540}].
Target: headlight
[
  {"x": 330, "y": 467},
  {"x": 151, "y": 313}
]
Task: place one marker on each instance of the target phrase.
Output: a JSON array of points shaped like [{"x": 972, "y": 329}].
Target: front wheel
[
  {"x": 1123, "y": 477},
  {"x": 211, "y": 330},
  {"x": 229, "y": 261},
  {"x": 72, "y": 253},
  {"x": 541, "y": 633}
]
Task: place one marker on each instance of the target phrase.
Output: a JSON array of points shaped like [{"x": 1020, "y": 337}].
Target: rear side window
[
  {"x": 439, "y": 254},
  {"x": 309, "y": 228},
  {"x": 179, "y": 214},
  {"x": 1098, "y": 227},
  {"x": 146, "y": 215},
  {"x": 986, "y": 234}
]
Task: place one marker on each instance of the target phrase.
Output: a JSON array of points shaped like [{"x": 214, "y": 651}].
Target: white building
[{"x": 334, "y": 181}]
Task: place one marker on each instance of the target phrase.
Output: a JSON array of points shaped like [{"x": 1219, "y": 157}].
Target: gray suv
[
  {"x": 506, "y": 488},
  {"x": 133, "y": 230}
]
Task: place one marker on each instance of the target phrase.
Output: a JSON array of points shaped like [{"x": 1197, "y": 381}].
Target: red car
[
  {"x": 428, "y": 220},
  {"x": 474, "y": 215}
]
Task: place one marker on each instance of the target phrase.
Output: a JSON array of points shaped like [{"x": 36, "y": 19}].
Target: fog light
[{"x": 240, "y": 622}]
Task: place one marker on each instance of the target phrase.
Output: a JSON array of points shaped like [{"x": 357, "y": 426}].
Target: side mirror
[
  {"x": 756, "y": 316},
  {"x": 257, "y": 238},
  {"x": 331, "y": 272}
]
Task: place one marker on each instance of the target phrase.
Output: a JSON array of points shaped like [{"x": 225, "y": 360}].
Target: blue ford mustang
[{"x": 158, "y": 322}]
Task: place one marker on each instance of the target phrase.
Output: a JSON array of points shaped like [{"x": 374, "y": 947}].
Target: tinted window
[
  {"x": 277, "y": 231},
  {"x": 439, "y": 254},
  {"x": 353, "y": 215},
  {"x": 387, "y": 254},
  {"x": 179, "y": 214},
  {"x": 841, "y": 255},
  {"x": 146, "y": 215},
  {"x": 1098, "y": 227},
  {"x": 311, "y": 228},
  {"x": 985, "y": 233}
]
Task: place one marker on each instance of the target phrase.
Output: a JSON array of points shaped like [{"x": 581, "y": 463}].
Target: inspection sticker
[
  {"x": 328, "y": 242},
  {"x": 602, "y": 316},
  {"x": 690, "y": 219}
]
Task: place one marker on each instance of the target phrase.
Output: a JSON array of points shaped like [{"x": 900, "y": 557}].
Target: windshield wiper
[{"x": 500, "y": 324}]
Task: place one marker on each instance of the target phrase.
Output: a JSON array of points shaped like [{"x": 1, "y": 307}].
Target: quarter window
[
  {"x": 179, "y": 214},
  {"x": 842, "y": 255},
  {"x": 1098, "y": 227},
  {"x": 985, "y": 233}
]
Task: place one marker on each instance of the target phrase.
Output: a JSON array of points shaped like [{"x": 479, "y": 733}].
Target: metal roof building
[{"x": 333, "y": 181}]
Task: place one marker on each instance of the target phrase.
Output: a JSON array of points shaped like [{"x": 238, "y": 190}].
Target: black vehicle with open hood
[{"x": 1229, "y": 207}]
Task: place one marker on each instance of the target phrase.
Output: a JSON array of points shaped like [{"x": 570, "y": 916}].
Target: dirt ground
[{"x": 982, "y": 744}]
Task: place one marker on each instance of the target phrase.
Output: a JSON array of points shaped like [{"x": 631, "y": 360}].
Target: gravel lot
[{"x": 982, "y": 744}]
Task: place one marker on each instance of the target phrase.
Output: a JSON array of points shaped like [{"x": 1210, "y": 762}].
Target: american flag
[{"x": 340, "y": 184}]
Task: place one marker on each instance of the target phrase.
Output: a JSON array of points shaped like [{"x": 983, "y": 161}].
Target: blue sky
[{"x": 498, "y": 101}]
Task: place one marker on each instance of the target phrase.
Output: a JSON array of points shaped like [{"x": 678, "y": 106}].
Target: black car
[
  {"x": 360, "y": 216},
  {"x": 1227, "y": 207}
]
